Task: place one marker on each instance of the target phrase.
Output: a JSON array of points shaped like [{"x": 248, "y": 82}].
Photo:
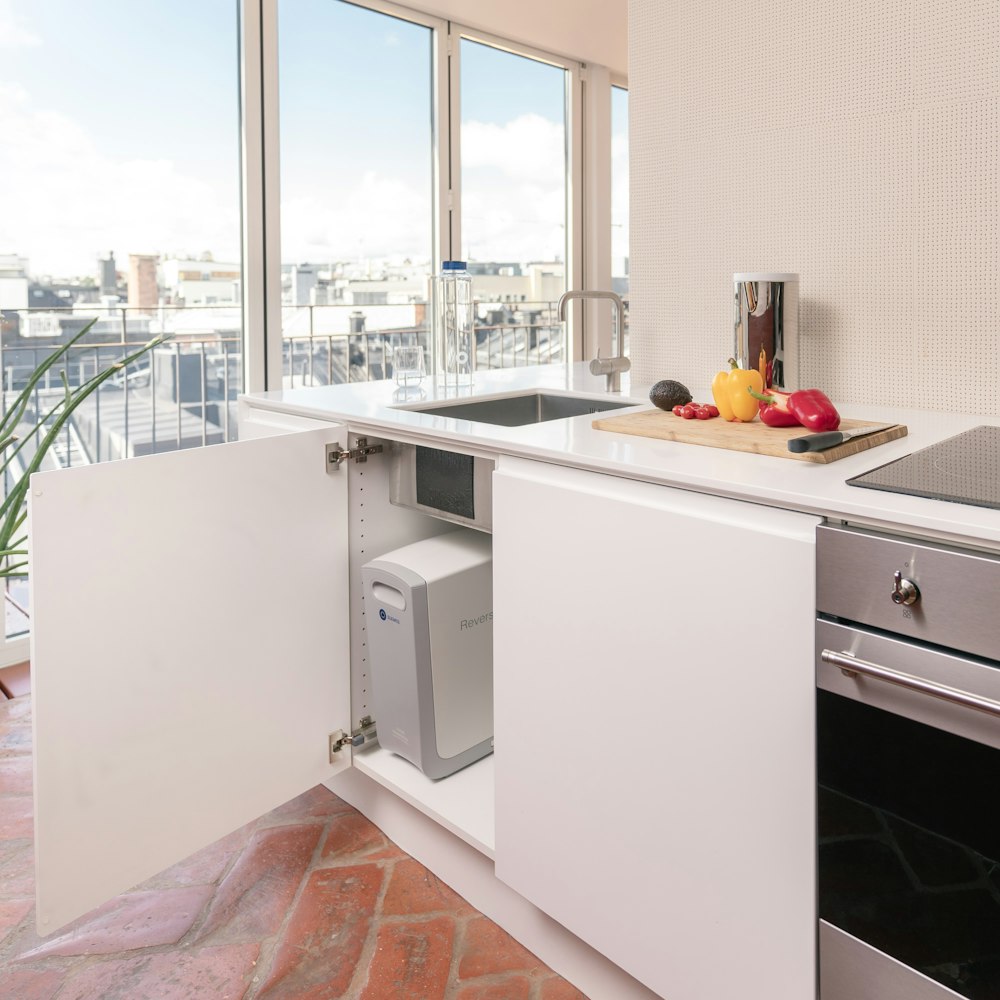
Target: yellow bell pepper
[
  {"x": 729, "y": 389},
  {"x": 720, "y": 393}
]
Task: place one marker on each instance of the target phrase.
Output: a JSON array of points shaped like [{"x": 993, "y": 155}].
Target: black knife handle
[{"x": 816, "y": 442}]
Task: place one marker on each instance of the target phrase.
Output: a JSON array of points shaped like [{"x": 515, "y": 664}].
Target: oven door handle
[{"x": 850, "y": 666}]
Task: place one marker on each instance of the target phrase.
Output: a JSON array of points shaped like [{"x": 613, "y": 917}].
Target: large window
[
  {"x": 357, "y": 191},
  {"x": 405, "y": 140},
  {"x": 514, "y": 184},
  {"x": 119, "y": 195}
]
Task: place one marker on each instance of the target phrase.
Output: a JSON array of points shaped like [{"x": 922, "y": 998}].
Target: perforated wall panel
[{"x": 852, "y": 143}]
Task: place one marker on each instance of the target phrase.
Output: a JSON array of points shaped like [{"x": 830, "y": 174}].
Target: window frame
[
  {"x": 573, "y": 252},
  {"x": 260, "y": 166}
]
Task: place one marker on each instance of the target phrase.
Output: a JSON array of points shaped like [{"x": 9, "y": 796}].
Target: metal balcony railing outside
[{"x": 197, "y": 375}]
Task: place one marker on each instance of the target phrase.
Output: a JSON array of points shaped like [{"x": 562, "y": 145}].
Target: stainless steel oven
[{"x": 908, "y": 722}]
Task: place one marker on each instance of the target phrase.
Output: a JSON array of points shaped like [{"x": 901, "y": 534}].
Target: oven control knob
[{"x": 904, "y": 591}]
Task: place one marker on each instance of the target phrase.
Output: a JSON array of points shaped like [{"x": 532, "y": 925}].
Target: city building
[
  {"x": 143, "y": 291},
  {"x": 13, "y": 282},
  {"x": 204, "y": 282},
  {"x": 107, "y": 276}
]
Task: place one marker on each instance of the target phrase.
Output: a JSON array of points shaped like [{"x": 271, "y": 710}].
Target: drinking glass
[{"x": 408, "y": 365}]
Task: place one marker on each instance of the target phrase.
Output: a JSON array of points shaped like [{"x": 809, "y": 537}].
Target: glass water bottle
[{"x": 454, "y": 334}]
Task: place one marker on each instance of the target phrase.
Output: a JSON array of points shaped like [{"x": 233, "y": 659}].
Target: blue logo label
[{"x": 381, "y": 613}]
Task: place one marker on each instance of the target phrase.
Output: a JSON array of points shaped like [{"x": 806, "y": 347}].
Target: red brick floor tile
[
  {"x": 15, "y": 681},
  {"x": 15, "y": 775},
  {"x": 17, "y": 708},
  {"x": 486, "y": 949},
  {"x": 17, "y": 863},
  {"x": 413, "y": 889},
  {"x": 31, "y": 984},
  {"x": 558, "y": 989},
  {"x": 325, "y": 936},
  {"x": 12, "y": 912},
  {"x": 253, "y": 899},
  {"x": 16, "y": 817},
  {"x": 411, "y": 959},
  {"x": 136, "y": 920},
  {"x": 509, "y": 988},
  {"x": 204, "y": 866},
  {"x": 352, "y": 836},
  {"x": 204, "y": 974},
  {"x": 318, "y": 803},
  {"x": 15, "y": 733}
]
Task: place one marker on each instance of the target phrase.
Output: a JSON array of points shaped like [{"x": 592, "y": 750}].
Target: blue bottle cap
[{"x": 453, "y": 265}]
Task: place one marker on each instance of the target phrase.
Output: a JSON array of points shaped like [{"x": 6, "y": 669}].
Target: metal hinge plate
[
  {"x": 338, "y": 739},
  {"x": 335, "y": 454}
]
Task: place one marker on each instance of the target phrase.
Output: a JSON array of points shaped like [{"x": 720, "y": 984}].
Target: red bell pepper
[
  {"x": 809, "y": 407},
  {"x": 772, "y": 416}
]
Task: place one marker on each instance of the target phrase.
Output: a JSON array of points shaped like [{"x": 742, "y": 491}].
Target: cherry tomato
[
  {"x": 676, "y": 411},
  {"x": 702, "y": 413},
  {"x": 713, "y": 410},
  {"x": 688, "y": 411}
]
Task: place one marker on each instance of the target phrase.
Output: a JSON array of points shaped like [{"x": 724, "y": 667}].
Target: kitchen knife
[{"x": 830, "y": 439}]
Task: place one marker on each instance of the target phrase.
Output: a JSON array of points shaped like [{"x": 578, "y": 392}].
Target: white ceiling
[{"x": 594, "y": 31}]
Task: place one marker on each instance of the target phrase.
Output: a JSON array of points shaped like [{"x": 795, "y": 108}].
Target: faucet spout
[{"x": 609, "y": 367}]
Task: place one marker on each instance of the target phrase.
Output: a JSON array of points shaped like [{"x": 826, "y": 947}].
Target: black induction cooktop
[{"x": 960, "y": 469}]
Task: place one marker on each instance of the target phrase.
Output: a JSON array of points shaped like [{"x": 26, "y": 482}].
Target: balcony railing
[{"x": 183, "y": 394}]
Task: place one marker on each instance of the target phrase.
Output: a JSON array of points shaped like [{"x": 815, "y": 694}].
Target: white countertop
[{"x": 379, "y": 408}]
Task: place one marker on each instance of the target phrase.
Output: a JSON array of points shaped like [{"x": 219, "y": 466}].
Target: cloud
[
  {"x": 529, "y": 147},
  {"x": 71, "y": 202},
  {"x": 375, "y": 216},
  {"x": 514, "y": 189},
  {"x": 14, "y": 29}
]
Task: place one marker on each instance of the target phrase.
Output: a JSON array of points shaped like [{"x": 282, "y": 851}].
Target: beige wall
[
  {"x": 852, "y": 141},
  {"x": 587, "y": 30}
]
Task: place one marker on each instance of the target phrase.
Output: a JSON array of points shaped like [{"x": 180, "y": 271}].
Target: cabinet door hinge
[
  {"x": 338, "y": 739},
  {"x": 335, "y": 454}
]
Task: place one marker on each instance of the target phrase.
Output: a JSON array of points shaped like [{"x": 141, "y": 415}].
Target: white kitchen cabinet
[
  {"x": 654, "y": 720},
  {"x": 189, "y": 614}
]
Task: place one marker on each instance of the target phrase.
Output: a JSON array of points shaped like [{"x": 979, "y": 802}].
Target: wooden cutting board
[{"x": 754, "y": 437}]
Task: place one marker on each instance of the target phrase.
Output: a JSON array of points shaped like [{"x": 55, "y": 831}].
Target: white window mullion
[
  {"x": 596, "y": 198},
  {"x": 575, "y": 215},
  {"x": 451, "y": 164},
  {"x": 261, "y": 228}
]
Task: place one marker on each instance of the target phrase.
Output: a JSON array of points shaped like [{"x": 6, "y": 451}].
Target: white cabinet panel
[
  {"x": 655, "y": 780},
  {"x": 189, "y": 657}
]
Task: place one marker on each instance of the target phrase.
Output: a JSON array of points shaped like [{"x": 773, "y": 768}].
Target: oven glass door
[{"x": 909, "y": 848}]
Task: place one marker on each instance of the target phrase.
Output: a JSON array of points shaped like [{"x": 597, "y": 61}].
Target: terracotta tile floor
[{"x": 310, "y": 901}]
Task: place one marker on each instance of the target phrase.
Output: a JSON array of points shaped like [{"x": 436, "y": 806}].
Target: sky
[
  {"x": 119, "y": 130},
  {"x": 108, "y": 140}
]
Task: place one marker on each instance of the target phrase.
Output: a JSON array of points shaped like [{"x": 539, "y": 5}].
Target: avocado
[{"x": 668, "y": 394}]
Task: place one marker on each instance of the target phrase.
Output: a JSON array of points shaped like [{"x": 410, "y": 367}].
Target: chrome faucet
[{"x": 610, "y": 367}]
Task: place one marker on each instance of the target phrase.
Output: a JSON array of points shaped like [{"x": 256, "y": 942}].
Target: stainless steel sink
[{"x": 525, "y": 408}]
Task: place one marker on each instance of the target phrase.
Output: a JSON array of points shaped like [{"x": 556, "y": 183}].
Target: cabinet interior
[{"x": 461, "y": 802}]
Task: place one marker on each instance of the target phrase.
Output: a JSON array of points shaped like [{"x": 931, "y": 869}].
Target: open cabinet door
[{"x": 189, "y": 654}]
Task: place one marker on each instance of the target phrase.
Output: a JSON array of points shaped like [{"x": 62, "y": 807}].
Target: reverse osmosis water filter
[{"x": 429, "y": 619}]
